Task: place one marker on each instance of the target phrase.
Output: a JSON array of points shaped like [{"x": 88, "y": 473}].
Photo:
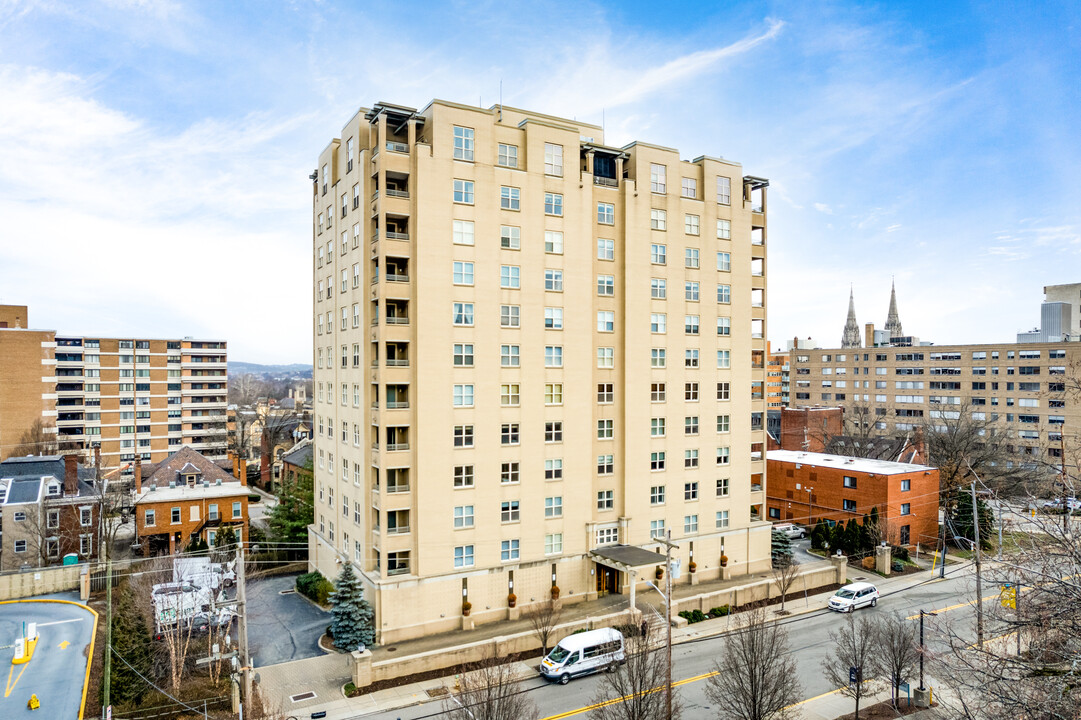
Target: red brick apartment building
[{"x": 804, "y": 487}]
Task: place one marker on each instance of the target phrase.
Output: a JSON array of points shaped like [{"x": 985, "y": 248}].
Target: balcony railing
[
  {"x": 398, "y": 278},
  {"x": 392, "y": 235},
  {"x": 399, "y": 569},
  {"x": 393, "y": 192},
  {"x": 756, "y": 487},
  {"x": 397, "y": 362},
  {"x": 397, "y": 446},
  {"x": 756, "y": 208},
  {"x": 400, "y": 530},
  {"x": 398, "y": 488},
  {"x": 399, "y": 147},
  {"x": 397, "y": 404},
  {"x": 397, "y": 320},
  {"x": 607, "y": 182}
]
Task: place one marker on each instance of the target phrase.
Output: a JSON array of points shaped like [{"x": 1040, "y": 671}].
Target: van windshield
[
  {"x": 843, "y": 593},
  {"x": 558, "y": 654}
]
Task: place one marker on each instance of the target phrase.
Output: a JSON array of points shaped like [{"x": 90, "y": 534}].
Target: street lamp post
[
  {"x": 922, "y": 696},
  {"x": 810, "y": 505}
]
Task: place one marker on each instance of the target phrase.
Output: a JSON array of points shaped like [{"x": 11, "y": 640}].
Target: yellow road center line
[
  {"x": 613, "y": 701},
  {"x": 954, "y": 607}
]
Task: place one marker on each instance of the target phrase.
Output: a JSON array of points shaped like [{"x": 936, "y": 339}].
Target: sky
[{"x": 154, "y": 156}]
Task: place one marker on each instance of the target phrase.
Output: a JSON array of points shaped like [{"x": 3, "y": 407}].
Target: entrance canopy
[{"x": 627, "y": 557}]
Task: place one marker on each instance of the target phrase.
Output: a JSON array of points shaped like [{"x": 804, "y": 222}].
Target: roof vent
[
  {"x": 153, "y": 487},
  {"x": 218, "y": 481},
  {"x": 206, "y": 483},
  {"x": 172, "y": 484}
]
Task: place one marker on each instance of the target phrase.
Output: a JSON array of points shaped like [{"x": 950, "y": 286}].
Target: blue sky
[{"x": 154, "y": 155}]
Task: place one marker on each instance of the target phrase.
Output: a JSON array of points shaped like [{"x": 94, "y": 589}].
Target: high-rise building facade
[
  {"x": 530, "y": 347},
  {"x": 126, "y": 397}
]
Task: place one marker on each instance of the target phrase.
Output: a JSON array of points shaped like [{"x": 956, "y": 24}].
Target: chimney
[
  {"x": 243, "y": 476},
  {"x": 97, "y": 458},
  {"x": 71, "y": 474},
  {"x": 869, "y": 335},
  {"x": 236, "y": 464},
  {"x": 138, "y": 474}
]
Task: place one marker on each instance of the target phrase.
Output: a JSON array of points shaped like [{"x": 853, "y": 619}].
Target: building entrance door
[{"x": 607, "y": 580}]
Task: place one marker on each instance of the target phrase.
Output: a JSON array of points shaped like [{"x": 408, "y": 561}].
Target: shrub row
[
  {"x": 693, "y": 616},
  {"x": 315, "y": 587}
]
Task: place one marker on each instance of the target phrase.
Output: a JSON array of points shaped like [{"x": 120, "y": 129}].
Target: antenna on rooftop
[{"x": 500, "y": 99}]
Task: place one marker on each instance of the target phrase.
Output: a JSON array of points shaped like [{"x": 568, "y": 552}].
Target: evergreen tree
[
  {"x": 866, "y": 541},
  {"x": 197, "y": 545},
  {"x": 225, "y": 544},
  {"x": 961, "y": 519},
  {"x": 852, "y": 537},
  {"x": 820, "y": 535},
  {"x": 131, "y": 641},
  {"x": 781, "y": 547},
  {"x": 354, "y": 620},
  {"x": 874, "y": 528},
  {"x": 837, "y": 537},
  {"x": 289, "y": 520}
]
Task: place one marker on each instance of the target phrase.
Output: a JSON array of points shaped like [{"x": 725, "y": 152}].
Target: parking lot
[
  {"x": 282, "y": 627},
  {"x": 57, "y": 671}
]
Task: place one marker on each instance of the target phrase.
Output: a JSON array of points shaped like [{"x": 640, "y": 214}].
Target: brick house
[
  {"x": 804, "y": 487},
  {"x": 49, "y": 508},
  {"x": 184, "y": 497}
]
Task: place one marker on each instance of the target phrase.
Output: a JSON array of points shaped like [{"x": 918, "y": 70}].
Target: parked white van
[
  {"x": 584, "y": 653},
  {"x": 851, "y": 597}
]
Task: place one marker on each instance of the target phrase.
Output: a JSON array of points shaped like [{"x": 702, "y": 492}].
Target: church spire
[
  {"x": 893, "y": 321},
  {"x": 851, "y": 336}
]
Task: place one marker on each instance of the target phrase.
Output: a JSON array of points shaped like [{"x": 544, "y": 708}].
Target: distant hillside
[{"x": 240, "y": 368}]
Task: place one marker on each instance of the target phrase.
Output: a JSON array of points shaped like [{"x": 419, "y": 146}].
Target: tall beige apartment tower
[{"x": 534, "y": 354}]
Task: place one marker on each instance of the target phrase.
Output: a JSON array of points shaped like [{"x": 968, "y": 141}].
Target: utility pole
[
  {"x": 108, "y": 671},
  {"x": 668, "y": 544},
  {"x": 923, "y": 647},
  {"x": 242, "y": 629},
  {"x": 1062, "y": 470},
  {"x": 998, "y": 555},
  {"x": 979, "y": 588}
]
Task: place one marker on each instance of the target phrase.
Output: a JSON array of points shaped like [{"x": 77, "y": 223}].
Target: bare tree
[
  {"x": 173, "y": 627},
  {"x": 854, "y": 647},
  {"x": 490, "y": 691},
  {"x": 755, "y": 678},
  {"x": 543, "y": 618},
  {"x": 635, "y": 690},
  {"x": 898, "y": 651},
  {"x": 785, "y": 571},
  {"x": 38, "y": 439}
]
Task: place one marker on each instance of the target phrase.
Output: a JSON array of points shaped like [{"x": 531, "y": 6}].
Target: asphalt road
[
  {"x": 282, "y": 627},
  {"x": 808, "y": 638},
  {"x": 57, "y": 670}
]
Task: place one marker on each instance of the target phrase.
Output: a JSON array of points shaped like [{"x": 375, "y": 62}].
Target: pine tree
[
  {"x": 852, "y": 537},
  {"x": 289, "y": 520},
  {"x": 837, "y": 537},
  {"x": 225, "y": 544},
  {"x": 820, "y": 535},
  {"x": 354, "y": 620},
  {"x": 961, "y": 519},
  {"x": 781, "y": 547},
  {"x": 131, "y": 641}
]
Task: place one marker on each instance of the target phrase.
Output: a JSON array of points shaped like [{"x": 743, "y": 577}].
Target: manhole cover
[
  {"x": 391, "y": 649},
  {"x": 437, "y": 692},
  {"x": 287, "y": 592},
  {"x": 300, "y": 697}
]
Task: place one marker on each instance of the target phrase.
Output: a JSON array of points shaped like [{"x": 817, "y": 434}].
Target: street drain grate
[
  {"x": 437, "y": 692},
  {"x": 300, "y": 697},
  {"x": 287, "y": 592}
]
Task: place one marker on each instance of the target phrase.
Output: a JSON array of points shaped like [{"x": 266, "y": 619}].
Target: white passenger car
[
  {"x": 584, "y": 653},
  {"x": 854, "y": 596}
]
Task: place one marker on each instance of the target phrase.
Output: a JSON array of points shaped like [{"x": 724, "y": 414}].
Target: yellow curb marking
[{"x": 11, "y": 685}]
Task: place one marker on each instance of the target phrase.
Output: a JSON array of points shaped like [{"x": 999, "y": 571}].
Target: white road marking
[{"x": 60, "y": 622}]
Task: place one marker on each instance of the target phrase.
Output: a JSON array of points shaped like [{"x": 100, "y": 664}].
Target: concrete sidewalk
[{"x": 325, "y": 676}]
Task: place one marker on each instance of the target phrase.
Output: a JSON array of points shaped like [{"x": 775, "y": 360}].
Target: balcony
[
  {"x": 397, "y": 320},
  {"x": 401, "y": 568},
  {"x": 605, "y": 181},
  {"x": 395, "y": 235},
  {"x": 398, "y": 278},
  {"x": 396, "y": 447},
  {"x": 397, "y": 362},
  {"x": 395, "y": 192},
  {"x": 398, "y": 147},
  {"x": 397, "y": 404},
  {"x": 398, "y": 488}
]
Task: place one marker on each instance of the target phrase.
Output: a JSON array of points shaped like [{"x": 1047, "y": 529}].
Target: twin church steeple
[{"x": 850, "y": 338}]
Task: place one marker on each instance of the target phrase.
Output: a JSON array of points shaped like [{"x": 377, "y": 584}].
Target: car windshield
[
  {"x": 845, "y": 593},
  {"x": 558, "y": 654}
]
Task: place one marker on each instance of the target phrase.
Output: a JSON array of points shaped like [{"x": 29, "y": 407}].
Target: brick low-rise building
[
  {"x": 187, "y": 496},
  {"x": 805, "y": 487}
]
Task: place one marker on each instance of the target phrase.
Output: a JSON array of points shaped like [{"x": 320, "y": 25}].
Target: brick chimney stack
[
  {"x": 138, "y": 475},
  {"x": 97, "y": 458},
  {"x": 71, "y": 474},
  {"x": 243, "y": 475}
]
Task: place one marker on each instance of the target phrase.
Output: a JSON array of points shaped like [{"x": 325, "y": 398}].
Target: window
[
  {"x": 463, "y": 516},
  {"x": 723, "y": 455},
  {"x": 658, "y": 357},
  {"x": 553, "y": 159},
  {"x": 724, "y": 294},
  {"x": 690, "y": 425},
  {"x": 20, "y": 546},
  {"x": 724, "y": 359},
  {"x": 656, "y": 495},
  {"x": 554, "y": 468},
  {"x": 849, "y": 482},
  {"x": 508, "y": 155},
  {"x": 463, "y": 355},
  {"x": 463, "y": 396},
  {"x": 658, "y": 254},
  {"x": 657, "y": 427},
  {"x": 605, "y": 393},
  {"x": 724, "y": 191},
  {"x": 553, "y": 280},
  {"x": 606, "y": 321},
  {"x": 553, "y": 356},
  {"x": 463, "y": 191},
  {"x": 463, "y": 314},
  {"x": 606, "y": 214},
  {"x": 658, "y": 289},
  {"x": 690, "y": 391},
  {"x": 605, "y": 500},
  {"x": 656, "y": 528},
  {"x": 463, "y": 232},
  {"x": 606, "y": 357},
  {"x": 724, "y": 326},
  {"x": 463, "y": 556},
  {"x": 510, "y": 277},
  {"x": 690, "y": 188},
  {"x": 174, "y": 515},
  {"x": 510, "y": 237},
  {"x": 510, "y": 198},
  {"x": 690, "y": 224},
  {"x": 605, "y": 429},
  {"x": 906, "y": 485},
  {"x": 509, "y": 395},
  {"x": 463, "y": 436},
  {"x": 656, "y": 461},
  {"x": 606, "y": 285},
  {"x": 508, "y": 511},
  {"x": 463, "y": 143},
  {"x": 509, "y": 473},
  {"x": 690, "y": 291},
  {"x": 722, "y": 519},
  {"x": 690, "y": 324},
  {"x": 658, "y": 178},
  {"x": 463, "y": 273},
  {"x": 553, "y": 507},
  {"x": 848, "y": 505},
  {"x": 553, "y": 204},
  {"x": 149, "y": 517},
  {"x": 722, "y": 487},
  {"x": 906, "y": 508},
  {"x": 605, "y": 464},
  {"x": 690, "y": 460},
  {"x": 463, "y": 476},
  {"x": 657, "y": 392},
  {"x": 658, "y": 323},
  {"x": 690, "y": 358},
  {"x": 509, "y": 356},
  {"x": 607, "y": 535},
  {"x": 658, "y": 219},
  {"x": 690, "y": 524},
  {"x": 553, "y": 318},
  {"x": 553, "y": 544},
  {"x": 553, "y": 393},
  {"x": 509, "y": 316}
]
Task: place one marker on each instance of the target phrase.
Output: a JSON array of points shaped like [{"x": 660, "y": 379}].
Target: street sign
[
  {"x": 1007, "y": 596},
  {"x": 853, "y": 675}
]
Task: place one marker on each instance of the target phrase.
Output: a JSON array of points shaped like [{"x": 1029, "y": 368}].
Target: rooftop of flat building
[{"x": 842, "y": 462}]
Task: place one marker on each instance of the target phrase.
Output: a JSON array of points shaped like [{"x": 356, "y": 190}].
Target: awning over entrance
[{"x": 627, "y": 557}]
